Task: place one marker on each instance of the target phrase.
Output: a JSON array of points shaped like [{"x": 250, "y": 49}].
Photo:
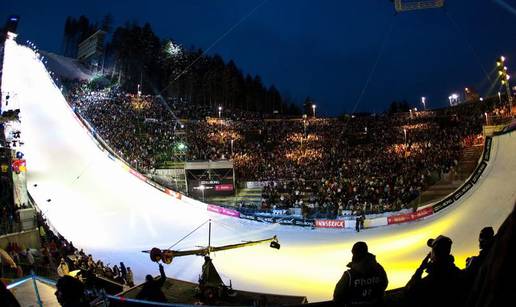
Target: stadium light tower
[{"x": 504, "y": 79}]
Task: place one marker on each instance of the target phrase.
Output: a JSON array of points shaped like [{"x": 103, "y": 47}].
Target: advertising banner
[
  {"x": 256, "y": 184},
  {"x": 402, "y": 218},
  {"x": 203, "y": 189},
  {"x": 329, "y": 223},
  {"x": 19, "y": 173},
  {"x": 223, "y": 211},
  {"x": 224, "y": 187},
  {"x": 487, "y": 148}
]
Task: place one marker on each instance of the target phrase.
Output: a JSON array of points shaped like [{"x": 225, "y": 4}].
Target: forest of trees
[{"x": 137, "y": 55}]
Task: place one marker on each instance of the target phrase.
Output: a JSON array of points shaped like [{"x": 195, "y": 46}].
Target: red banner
[
  {"x": 140, "y": 176},
  {"x": 329, "y": 223},
  {"x": 402, "y": 218},
  {"x": 224, "y": 187}
]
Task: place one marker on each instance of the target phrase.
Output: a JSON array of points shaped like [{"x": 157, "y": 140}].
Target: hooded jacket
[{"x": 363, "y": 284}]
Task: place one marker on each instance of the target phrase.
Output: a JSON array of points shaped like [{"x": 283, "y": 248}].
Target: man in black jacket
[
  {"x": 444, "y": 284},
  {"x": 364, "y": 283},
  {"x": 485, "y": 241},
  {"x": 151, "y": 290}
]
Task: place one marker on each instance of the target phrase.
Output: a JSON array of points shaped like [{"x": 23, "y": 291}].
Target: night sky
[{"x": 323, "y": 49}]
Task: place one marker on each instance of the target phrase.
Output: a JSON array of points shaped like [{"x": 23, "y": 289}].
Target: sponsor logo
[
  {"x": 481, "y": 167},
  {"x": 223, "y": 211},
  {"x": 329, "y": 223},
  {"x": 487, "y": 148},
  {"x": 445, "y": 203},
  {"x": 224, "y": 187},
  {"x": 395, "y": 219},
  {"x": 462, "y": 190}
]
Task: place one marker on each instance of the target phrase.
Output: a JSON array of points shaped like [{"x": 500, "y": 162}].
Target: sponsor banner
[
  {"x": 478, "y": 172},
  {"x": 224, "y": 187},
  {"x": 255, "y": 184},
  {"x": 487, "y": 148},
  {"x": 443, "y": 204},
  {"x": 465, "y": 187},
  {"x": 472, "y": 181},
  {"x": 402, "y": 218},
  {"x": 329, "y": 223},
  {"x": 223, "y": 211},
  {"x": 135, "y": 173},
  {"x": 19, "y": 175},
  {"x": 202, "y": 189}
]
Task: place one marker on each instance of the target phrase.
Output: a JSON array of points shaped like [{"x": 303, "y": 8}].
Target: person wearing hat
[
  {"x": 365, "y": 281},
  {"x": 444, "y": 284}
]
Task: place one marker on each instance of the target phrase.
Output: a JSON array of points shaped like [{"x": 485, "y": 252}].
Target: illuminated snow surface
[{"x": 113, "y": 215}]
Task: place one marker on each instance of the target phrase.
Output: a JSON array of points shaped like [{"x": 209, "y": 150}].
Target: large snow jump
[{"x": 98, "y": 204}]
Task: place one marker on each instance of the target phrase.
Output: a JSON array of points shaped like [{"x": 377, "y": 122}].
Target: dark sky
[{"x": 320, "y": 48}]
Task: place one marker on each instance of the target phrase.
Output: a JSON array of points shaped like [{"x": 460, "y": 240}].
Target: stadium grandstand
[{"x": 106, "y": 183}]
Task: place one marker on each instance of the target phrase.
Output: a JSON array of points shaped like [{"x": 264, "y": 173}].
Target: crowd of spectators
[
  {"x": 324, "y": 166},
  {"x": 57, "y": 256}
]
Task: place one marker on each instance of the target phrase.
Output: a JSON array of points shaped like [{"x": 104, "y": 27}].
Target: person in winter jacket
[
  {"x": 365, "y": 281},
  {"x": 444, "y": 284},
  {"x": 485, "y": 241}
]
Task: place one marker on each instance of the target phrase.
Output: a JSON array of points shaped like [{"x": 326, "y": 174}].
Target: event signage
[
  {"x": 223, "y": 211},
  {"x": 402, "y": 218},
  {"x": 487, "y": 148},
  {"x": 224, "y": 187},
  {"x": 480, "y": 169},
  {"x": 465, "y": 187},
  {"x": 329, "y": 223}
]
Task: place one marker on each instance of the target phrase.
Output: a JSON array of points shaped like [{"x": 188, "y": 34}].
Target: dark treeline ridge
[{"x": 135, "y": 54}]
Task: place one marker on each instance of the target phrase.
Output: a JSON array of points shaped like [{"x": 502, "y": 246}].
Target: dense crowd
[{"x": 325, "y": 167}]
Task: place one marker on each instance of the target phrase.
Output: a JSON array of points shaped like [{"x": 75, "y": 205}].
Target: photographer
[
  {"x": 364, "y": 283},
  {"x": 444, "y": 284}
]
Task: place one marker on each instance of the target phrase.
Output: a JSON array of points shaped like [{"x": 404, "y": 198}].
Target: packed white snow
[{"x": 96, "y": 203}]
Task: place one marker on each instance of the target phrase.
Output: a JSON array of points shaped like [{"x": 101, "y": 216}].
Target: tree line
[{"x": 136, "y": 55}]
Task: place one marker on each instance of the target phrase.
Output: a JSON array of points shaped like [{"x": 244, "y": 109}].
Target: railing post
[{"x": 40, "y": 303}]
